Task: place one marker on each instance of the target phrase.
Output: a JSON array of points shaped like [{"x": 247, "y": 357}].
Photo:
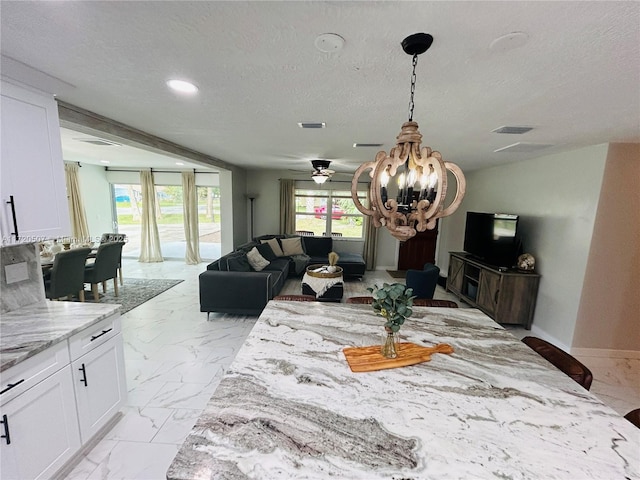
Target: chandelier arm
[
  {"x": 354, "y": 186},
  {"x": 461, "y": 189}
]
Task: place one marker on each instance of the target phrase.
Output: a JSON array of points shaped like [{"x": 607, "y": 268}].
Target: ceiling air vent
[
  {"x": 512, "y": 130},
  {"x": 98, "y": 141},
  {"x": 312, "y": 124},
  {"x": 364, "y": 145},
  {"x": 522, "y": 147}
]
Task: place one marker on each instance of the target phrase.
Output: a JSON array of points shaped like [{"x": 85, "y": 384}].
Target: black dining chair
[
  {"x": 115, "y": 237},
  {"x": 104, "y": 268},
  {"x": 66, "y": 277},
  {"x": 563, "y": 361},
  {"x": 634, "y": 417}
]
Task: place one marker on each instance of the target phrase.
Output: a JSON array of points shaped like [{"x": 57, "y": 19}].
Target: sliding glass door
[{"x": 170, "y": 219}]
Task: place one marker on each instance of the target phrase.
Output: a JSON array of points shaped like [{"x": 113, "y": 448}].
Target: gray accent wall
[{"x": 556, "y": 197}]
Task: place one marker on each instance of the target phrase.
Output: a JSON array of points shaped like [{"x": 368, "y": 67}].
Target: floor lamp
[{"x": 251, "y": 199}]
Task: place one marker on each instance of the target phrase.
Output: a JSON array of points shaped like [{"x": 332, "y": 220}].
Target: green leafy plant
[{"x": 393, "y": 301}]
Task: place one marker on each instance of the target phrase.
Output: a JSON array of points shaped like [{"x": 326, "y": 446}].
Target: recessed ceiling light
[
  {"x": 365, "y": 145},
  {"x": 182, "y": 86},
  {"x": 312, "y": 124},
  {"x": 179, "y": 163},
  {"x": 105, "y": 161}
]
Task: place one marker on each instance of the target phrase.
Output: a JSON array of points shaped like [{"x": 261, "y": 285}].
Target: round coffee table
[{"x": 326, "y": 286}]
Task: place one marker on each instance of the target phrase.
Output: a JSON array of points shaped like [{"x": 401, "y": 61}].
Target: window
[{"x": 344, "y": 219}]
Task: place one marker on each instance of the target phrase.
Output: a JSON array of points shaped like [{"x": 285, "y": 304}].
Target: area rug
[
  {"x": 397, "y": 273},
  {"x": 134, "y": 292}
]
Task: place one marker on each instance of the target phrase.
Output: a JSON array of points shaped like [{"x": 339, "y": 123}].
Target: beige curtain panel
[
  {"x": 150, "y": 241},
  {"x": 79, "y": 227},
  {"x": 287, "y": 206},
  {"x": 190, "y": 210}
]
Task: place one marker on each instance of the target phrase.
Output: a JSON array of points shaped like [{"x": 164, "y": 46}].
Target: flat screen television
[{"x": 493, "y": 238}]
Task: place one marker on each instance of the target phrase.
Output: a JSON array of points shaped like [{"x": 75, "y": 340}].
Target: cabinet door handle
[
  {"x": 6, "y": 435},
  {"x": 13, "y": 214},
  {"x": 84, "y": 374},
  {"x": 104, "y": 332},
  {"x": 11, "y": 385},
  {"x": 495, "y": 296}
]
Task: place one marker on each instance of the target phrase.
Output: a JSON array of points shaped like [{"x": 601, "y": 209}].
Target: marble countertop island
[
  {"x": 289, "y": 407},
  {"x": 32, "y": 329}
]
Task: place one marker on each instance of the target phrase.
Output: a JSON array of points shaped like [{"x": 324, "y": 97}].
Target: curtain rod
[{"x": 110, "y": 169}]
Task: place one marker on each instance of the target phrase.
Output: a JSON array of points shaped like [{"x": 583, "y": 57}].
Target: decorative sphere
[{"x": 526, "y": 261}]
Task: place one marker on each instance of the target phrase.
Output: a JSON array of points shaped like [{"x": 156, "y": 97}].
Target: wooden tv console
[{"x": 506, "y": 295}]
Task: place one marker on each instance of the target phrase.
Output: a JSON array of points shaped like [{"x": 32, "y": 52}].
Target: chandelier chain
[{"x": 413, "y": 87}]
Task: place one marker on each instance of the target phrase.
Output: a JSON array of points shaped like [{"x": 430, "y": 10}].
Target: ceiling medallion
[{"x": 410, "y": 210}]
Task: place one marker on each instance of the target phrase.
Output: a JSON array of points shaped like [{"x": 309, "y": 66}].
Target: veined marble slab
[
  {"x": 290, "y": 408},
  {"x": 30, "y": 330}
]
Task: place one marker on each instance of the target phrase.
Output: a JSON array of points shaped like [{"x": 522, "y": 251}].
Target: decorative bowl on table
[{"x": 322, "y": 271}]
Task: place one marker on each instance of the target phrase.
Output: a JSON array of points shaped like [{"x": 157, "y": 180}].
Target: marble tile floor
[{"x": 175, "y": 358}]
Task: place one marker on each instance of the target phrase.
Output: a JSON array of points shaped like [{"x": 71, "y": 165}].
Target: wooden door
[{"x": 417, "y": 251}]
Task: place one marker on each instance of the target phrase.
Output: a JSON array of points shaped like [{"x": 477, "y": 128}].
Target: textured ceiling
[{"x": 576, "y": 78}]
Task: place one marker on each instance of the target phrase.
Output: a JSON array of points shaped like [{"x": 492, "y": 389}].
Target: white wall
[
  {"x": 96, "y": 195},
  {"x": 556, "y": 197}
]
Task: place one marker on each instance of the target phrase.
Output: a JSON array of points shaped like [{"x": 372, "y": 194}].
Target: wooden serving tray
[{"x": 369, "y": 359}]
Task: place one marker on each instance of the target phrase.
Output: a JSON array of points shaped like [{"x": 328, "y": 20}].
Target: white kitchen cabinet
[
  {"x": 39, "y": 429},
  {"x": 53, "y": 403},
  {"x": 32, "y": 180},
  {"x": 99, "y": 385}
]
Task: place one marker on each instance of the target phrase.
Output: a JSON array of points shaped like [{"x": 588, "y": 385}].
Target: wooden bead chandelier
[{"x": 413, "y": 209}]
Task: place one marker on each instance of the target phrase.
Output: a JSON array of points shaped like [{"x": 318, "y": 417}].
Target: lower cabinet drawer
[
  {"x": 90, "y": 338},
  {"x": 25, "y": 375}
]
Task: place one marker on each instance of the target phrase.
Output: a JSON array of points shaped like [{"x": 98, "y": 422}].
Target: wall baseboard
[{"x": 605, "y": 353}]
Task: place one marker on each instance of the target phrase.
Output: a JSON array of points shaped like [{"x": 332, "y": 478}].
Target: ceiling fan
[{"x": 321, "y": 172}]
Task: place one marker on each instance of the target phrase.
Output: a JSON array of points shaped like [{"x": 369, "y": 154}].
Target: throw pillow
[
  {"x": 292, "y": 246},
  {"x": 265, "y": 250},
  {"x": 275, "y": 246},
  {"x": 238, "y": 263},
  {"x": 257, "y": 261}
]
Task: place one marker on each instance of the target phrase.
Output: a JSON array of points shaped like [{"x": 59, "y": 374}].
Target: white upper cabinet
[{"x": 32, "y": 182}]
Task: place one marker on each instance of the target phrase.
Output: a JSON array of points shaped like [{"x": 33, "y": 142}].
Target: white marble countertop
[
  {"x": 30, "y": 330},
  {"x": 289, "y": 407}
]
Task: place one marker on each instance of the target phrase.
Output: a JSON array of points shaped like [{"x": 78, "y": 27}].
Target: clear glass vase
[{"x": 388, "y": 349}]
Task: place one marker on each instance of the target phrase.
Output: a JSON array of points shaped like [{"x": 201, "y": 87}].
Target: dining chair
[
  {"x": 66, "y": 277},
  {"x": 565, "y": 362},
  {"x": 296, "y": 298},
  {"x": 423, "y": 282},
  {"x": 431, "y": 302},
  {"x": 104, "y": 268},
  {"x": 115, "y": 237},
  {"x": 360, "y": 300},
  {"x": 634, "y": 417}
]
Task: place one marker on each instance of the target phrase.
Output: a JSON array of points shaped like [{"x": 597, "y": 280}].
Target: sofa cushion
[
  {"x": 267, "y": 253},
  {"x": 292, "y": 246},
  {"x": 247, "y": 247},
  {"x": 238, "y": 263},
  {"x": 275, "y": 246},
  {"x": 318, "y": 246},
  {"x": 257, "y": 261}
]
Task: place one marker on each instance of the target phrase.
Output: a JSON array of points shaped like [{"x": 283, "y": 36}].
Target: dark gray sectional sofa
[{"x": 230, "y": 285}]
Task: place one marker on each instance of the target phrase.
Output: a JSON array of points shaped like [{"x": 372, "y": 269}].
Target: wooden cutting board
[{"x": 369, "y": 359}]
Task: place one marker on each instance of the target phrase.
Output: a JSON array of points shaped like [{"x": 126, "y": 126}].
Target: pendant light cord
[{"x": 413, "y": 87}]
